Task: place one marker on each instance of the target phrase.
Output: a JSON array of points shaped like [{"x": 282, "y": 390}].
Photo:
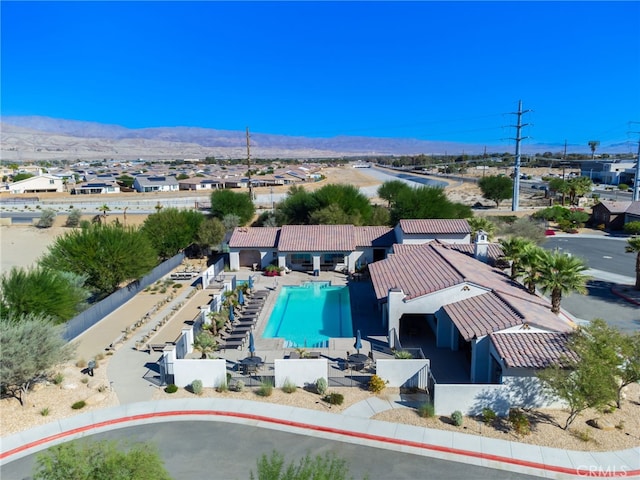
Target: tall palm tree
[
  {"x": 633, "y": 246},
  {"x": 481, "y": 223},
  {"x": 593, "y": 145},
  {"x": 561, "y": 273},
  {"x": 104, "y": 209},
  {"x": 513, "y": 249}
]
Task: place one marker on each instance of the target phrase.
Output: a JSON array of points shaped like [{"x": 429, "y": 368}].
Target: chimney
[{"x": 481, "y": 246}]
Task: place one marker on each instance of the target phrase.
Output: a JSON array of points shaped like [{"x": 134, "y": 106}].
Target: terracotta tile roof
[
  {"x": 634, "y": 208},
  {"x": 256, "y": 237},
  {"x": 430, "y": 267},
  {"x": 317, "y": 238},
  {"x": 402, "y": 248},
  {"x": 435, "y": 226},
  {"x": 419, "y": 273},
  {"x": 533, "y": 349},
  {"x": 494, "y": 251},
  {"x": 481, "y": 315},
  {"x": 374, "y": 236}
]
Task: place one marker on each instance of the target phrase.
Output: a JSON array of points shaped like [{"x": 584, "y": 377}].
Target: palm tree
[
  {"x": 633, "y": 246},
  {"x": 530, "y": 267},
  {"x": 481, "y": 223},
  {"x": 513, "y": 249},
  {"x": 205, "y": 344},
  {"x": 593, "y": 145},
  {"x": 104, "y": 209},
  {"x": 561, "y": 273}
]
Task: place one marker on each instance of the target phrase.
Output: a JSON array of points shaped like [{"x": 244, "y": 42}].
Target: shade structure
[
  {"x": 251, "y": 282},
  {"x": 231, "y": 314},
  {"x": 240, "y": 297},
  {"x": 358, "y": 344},
  {"x": 252, "y": 347}
]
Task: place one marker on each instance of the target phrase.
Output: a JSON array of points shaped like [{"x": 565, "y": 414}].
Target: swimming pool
[{"x": 307, "y": 316}]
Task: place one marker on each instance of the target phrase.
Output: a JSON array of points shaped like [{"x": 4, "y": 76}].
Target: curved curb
[
  {"x": 624, "y": 297},
  {"x": 285, "y": 419}
]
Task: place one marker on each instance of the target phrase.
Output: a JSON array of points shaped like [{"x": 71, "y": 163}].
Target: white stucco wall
[
  {"x": 404, "y": 373},
  {"x": 212, "y": 372},
  {"x": 302, "y": 372}
]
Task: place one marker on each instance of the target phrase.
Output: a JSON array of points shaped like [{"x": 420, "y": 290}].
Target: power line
[{"x": 516, "y": 171}]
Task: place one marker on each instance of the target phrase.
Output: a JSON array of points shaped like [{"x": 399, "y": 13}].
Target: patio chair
[{"x": 235, "y": 344}]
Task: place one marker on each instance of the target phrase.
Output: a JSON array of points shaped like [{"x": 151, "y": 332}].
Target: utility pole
[
  {"x": 516, "y": 171},
  {"x": 636, "y": 187},
  {"x": 249, "y": 166}
]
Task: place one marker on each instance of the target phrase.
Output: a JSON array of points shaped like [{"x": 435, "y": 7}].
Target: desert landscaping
[{"x": 23, "y": 245}]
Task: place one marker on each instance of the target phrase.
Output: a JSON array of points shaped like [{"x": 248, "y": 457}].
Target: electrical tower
[
  {"x": 636, "y": 186},
  {"x": 516, "y": 171}
]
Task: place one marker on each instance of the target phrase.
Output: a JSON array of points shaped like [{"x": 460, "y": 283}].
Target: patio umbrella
[
  {"x": 358, "y": 344},
  {"x": 231, "y": 314},
  {"x": 240, "y": 297},
  {"x": 252, "y": 347},
  {"x": 251, "y": 282}
]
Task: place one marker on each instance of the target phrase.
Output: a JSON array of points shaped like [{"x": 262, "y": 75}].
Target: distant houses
[{"x": 39, "y": 184}]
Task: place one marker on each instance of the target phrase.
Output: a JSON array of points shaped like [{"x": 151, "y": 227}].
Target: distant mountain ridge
[{"x": 42, "y": 138}]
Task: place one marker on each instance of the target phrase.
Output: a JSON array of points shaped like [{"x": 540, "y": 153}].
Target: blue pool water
[{"x": 309, "y": 315}]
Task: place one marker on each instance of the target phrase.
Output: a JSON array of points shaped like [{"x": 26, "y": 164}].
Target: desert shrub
[
  {"x": 223, "y": 387},
  {"x": 334, "y": 398},
  {"x": 177, "y": 286},
  {"x": 583, "y": 435},
  {"x": 84, "y": 380},
  {"x": 46, "y": 219},
  {"x": 623, "y": 186},
  {"x": 238, "y": 386},
  {"x": 427, "y": 410},
  {"x": 196, "y": 387},
  {"x": 488, "y": 415},
  {"x": 402, "y": 355},
  {"x": 555, "y": 213},
  {"x": 228, "y": 378},
  {"x": 289, "y": 386},
  {"x": 98, "y": 357},
  {"x": 57, "y": 379},
  {"x": 81, "y": 363},
  {"x": 632, "y": 228},
  {"x": 265, "y": 389},
  {"x": 79, "y": 404},
  {"x": 45, "y": 412},
  {"x": 376, "y": 384},
  {"x": 457, "y": 418},
  {"x": 73, "y": 219},
  {"x": 321, "y": 386},
  {"x": 171, "y": 388},
  {"x": 519, "y": 421}
]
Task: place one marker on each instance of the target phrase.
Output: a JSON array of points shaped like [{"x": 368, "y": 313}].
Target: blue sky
[{"x": 445, "y": 71}]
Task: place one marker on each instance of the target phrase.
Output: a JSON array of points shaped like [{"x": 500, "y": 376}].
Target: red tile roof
[
  {"x": 254, "y": 237},
  {"x": 435, "y": 226},
  {"x": 615, "y": 207},
  {"x": 483, "y": 314},
  {"x": 532, "y": 349},
  {"x": 317, "y": 238},
  {"x": 493, "y": 252},
  {"x": 374, "y": 236}
]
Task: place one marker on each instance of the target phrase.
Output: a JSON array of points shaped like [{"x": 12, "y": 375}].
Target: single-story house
[
  {"x": 147, "y": 183},
  {"x": 40, "y": 184},
  {"x": 200, "y": 183},
  {"x": 464, "y": 302},
  {"x": 614, "y": 215},
  {"x": 89, "y": 188}
]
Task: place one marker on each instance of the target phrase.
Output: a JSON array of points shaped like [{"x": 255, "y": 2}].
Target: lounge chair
[{"x": 231, "y": 344}]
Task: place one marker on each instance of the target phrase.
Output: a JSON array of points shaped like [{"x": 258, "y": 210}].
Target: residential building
[
  {"x": 39, "y": 184},
  {"x": 147, "y": 183}
]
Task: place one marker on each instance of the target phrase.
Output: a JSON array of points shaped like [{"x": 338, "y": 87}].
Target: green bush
[
  {"x": 632, "y": 228},
  {"x": 196, "y": 387},
  {"x": 519, "y": 421},
  {"x": 45, "y": 412},
  {"x": 321, "y": 386},
  {"x": 171, "y": 388},
  {"x": 57, "y": 379},
  {"x": 488, "y": 415},
  {"x": 623, "y": 186},
  {"x": 265, "y": 389},
  {"x": 334, "y": 398},
  {"x": 223, "y": 387},
  {"x": 79, "y": 404},
  {"x": 376, "y": 384},
  {"x": 427, "y": 410},
  {"x": 289, "y": 386},
  {"x": 457, "y": 418}
]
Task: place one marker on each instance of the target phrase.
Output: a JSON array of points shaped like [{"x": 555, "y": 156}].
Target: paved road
[
  {"x": 225, "y": 451},
  {"x": 610, "y": 267}
]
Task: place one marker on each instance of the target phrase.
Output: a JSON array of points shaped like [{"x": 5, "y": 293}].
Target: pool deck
[{"x": 364, "y": 316}]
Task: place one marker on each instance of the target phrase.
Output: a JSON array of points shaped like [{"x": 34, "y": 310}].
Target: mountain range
[{"x": 29, "y": 138}]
